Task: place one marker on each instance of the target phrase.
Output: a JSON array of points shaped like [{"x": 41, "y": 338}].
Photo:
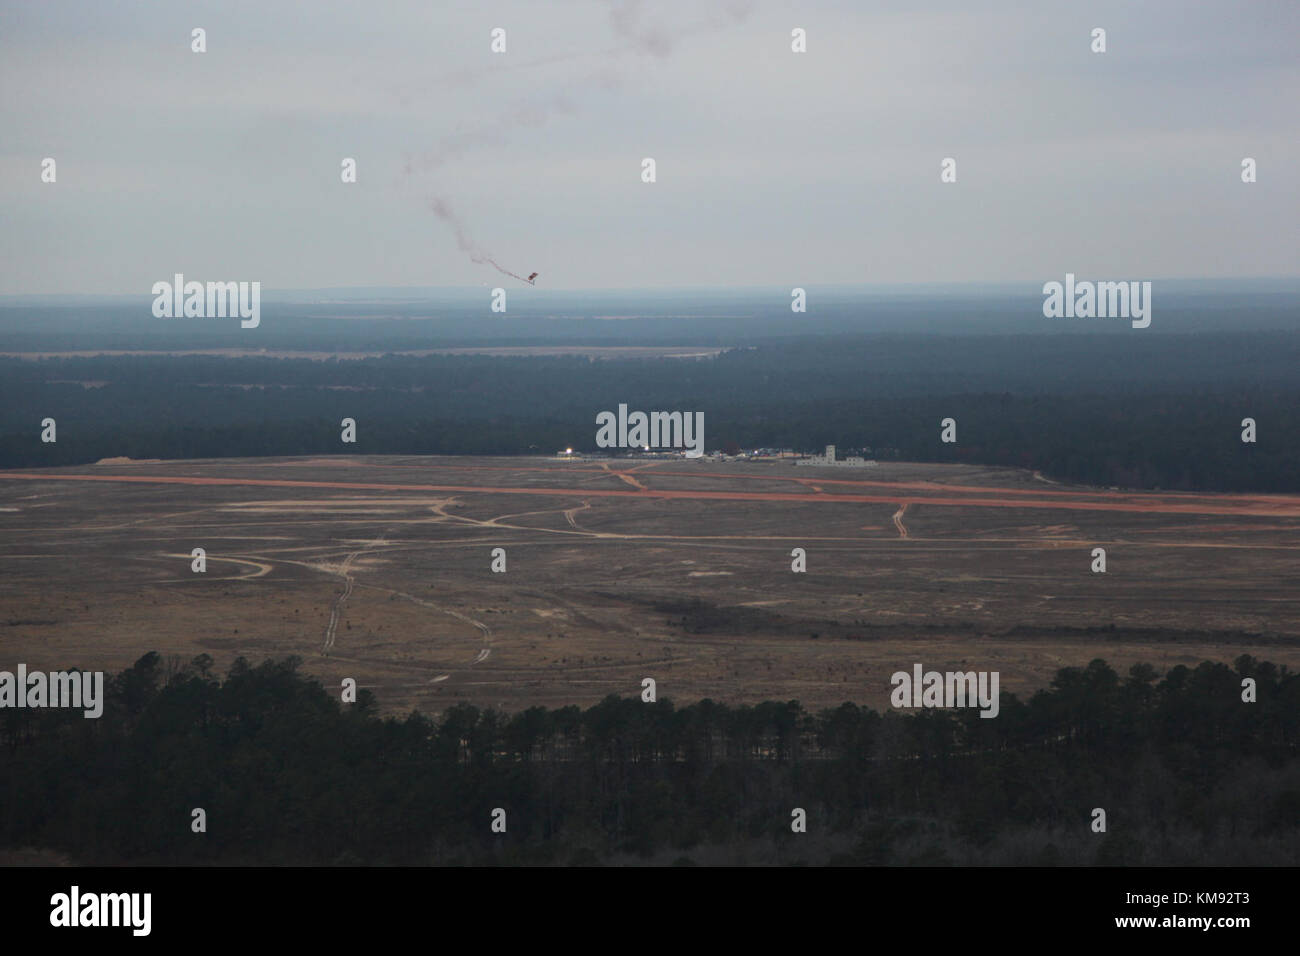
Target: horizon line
[{"x": 863, "y": 287}]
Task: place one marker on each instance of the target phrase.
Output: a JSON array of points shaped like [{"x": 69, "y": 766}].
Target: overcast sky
[{"x": 774, "y": 168}]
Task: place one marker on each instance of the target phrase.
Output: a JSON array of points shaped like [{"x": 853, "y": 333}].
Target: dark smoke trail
[
  {"x": 464, "y": 240},
  {"x": 493, "y": 264},
  {"x": 638, "y": 36}
]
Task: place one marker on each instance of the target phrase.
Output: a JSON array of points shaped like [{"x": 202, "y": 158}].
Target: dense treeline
[
  {"x": 1161, "y": 413},
  {"x": 394, "y": 320},
  {"x": 1186, "y": 771}
]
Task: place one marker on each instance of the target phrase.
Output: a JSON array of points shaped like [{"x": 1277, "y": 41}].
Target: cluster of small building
[
  {"x": 758, "y": 454},
  {"x": 773, "y": 453},
  {"x": 568, "y": 454},
  {"x": 829, "y": 459}
]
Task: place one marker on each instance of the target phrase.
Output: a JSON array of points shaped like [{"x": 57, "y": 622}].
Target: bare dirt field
[{"x": 379, "y": 568}]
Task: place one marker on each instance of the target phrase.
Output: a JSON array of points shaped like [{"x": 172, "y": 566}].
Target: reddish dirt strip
[
  {"x": 1276, "y": 506},
  {"x": 564, "y": 468}
]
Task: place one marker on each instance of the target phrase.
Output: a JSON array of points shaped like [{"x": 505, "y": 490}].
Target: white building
[{"x": 829, "y": 460}]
